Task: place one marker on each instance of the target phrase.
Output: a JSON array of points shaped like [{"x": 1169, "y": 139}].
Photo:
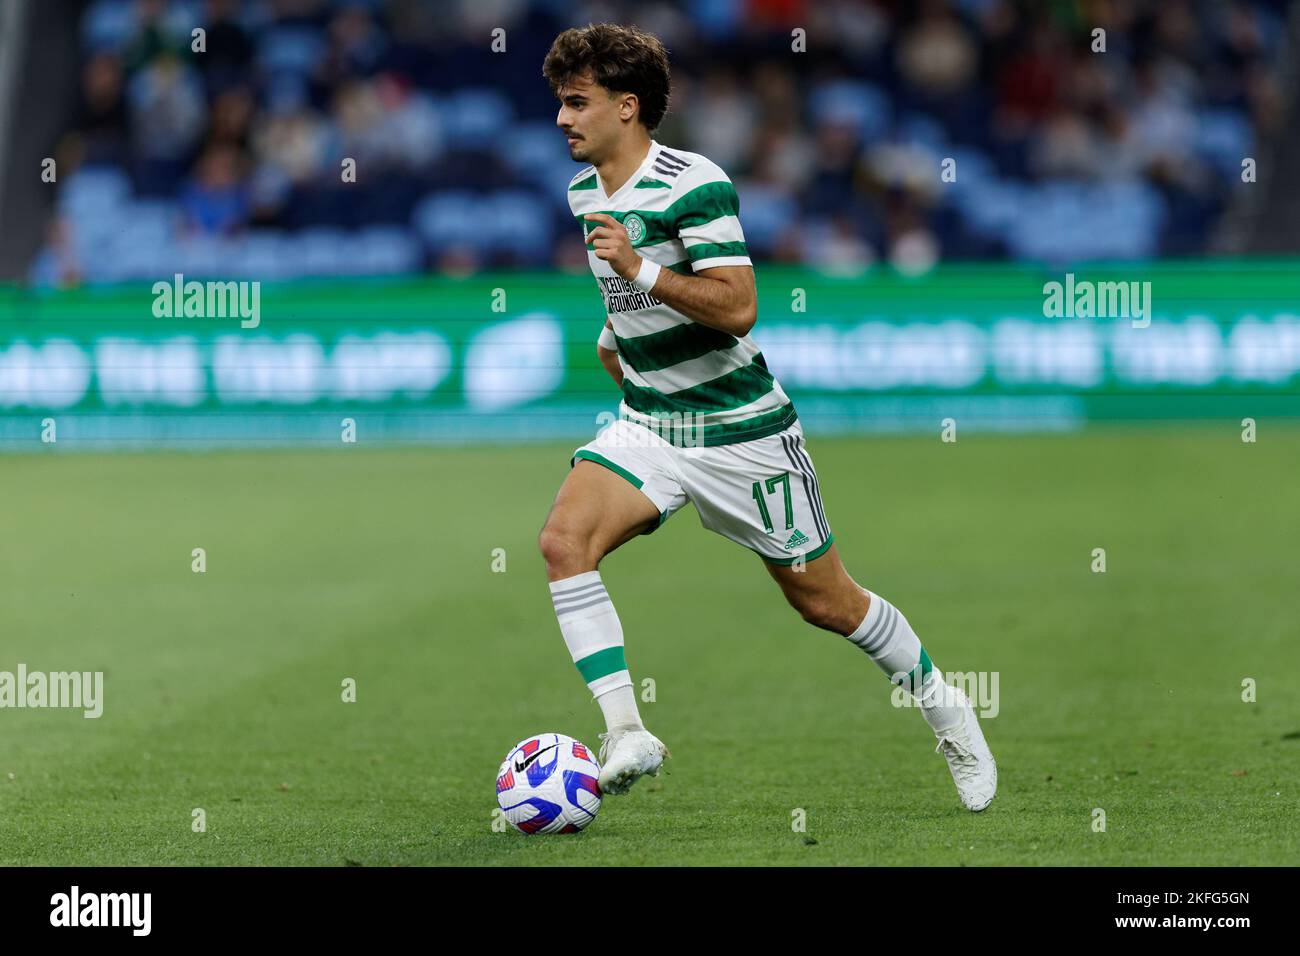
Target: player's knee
[
  {"x": 819, "y": 610},
  {"x": 554, "y": 543},
  {"x": 564, "y": 552}
]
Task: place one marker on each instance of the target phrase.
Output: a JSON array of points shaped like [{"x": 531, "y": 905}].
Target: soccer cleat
[
  {"x": 969, "y": 760},
  {"x": 625, "y": 756}
]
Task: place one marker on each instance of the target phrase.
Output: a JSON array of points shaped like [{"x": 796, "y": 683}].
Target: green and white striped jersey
[{"x": 691, "y": 384}]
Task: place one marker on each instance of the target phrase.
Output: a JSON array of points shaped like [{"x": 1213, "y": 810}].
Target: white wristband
[
  {"x": 607, "y": 341},
  {"x": 647, "y": 276}
]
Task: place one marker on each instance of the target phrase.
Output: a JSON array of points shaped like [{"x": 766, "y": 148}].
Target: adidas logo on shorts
[{"x": 797, "y": 539}]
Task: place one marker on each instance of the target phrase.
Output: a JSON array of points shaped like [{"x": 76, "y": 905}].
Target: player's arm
[
  {"x": 607, "y": 352},
  {"x": 723, "y": 297}
]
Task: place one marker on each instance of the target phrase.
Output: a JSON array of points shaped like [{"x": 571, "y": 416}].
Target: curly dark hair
[{"x": 621, "y": 59}]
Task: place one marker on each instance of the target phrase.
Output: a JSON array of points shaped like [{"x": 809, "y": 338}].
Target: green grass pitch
[{"x": 1120, "y": 691}]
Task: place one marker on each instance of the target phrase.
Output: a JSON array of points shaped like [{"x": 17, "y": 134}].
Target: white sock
[
  {"x": 889, "y": 640},
  {"x": 594, "y": 637},
  {"x": 619, "y": 707}
]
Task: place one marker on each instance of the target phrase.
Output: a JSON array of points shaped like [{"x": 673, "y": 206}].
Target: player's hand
[{"x": 612, "y": 244}]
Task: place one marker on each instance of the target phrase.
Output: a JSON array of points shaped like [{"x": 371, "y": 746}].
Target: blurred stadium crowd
[{"x": 228, "y": 162}]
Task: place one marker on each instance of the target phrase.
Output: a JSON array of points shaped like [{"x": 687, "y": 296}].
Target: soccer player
[{"x": 701, "y": 419}]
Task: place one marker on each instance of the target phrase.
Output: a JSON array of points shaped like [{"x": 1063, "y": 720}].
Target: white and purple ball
[{"x": 549, "y": 783}]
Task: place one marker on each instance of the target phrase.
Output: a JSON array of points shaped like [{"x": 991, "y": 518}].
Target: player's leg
[
  {"x": 827, "y": 597},
  {"x": 614, "y": 492},
  {"x": 764, "y": 494},
  {"x": 595, "y": 511}
]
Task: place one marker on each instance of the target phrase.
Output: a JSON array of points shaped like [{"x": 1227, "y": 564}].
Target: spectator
[
  {"x": 216, "y": 200},
  {"x": 839, "y": 146}
]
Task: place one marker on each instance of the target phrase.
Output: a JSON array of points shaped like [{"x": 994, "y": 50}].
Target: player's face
[{"x": 589, "y": 119}]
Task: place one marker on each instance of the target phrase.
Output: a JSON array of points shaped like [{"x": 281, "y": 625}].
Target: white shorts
[{"x": 762, "y": 494}]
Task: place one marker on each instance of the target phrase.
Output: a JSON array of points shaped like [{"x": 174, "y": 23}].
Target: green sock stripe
[
  {"x": 916, "y": 679},
  {"x": 602, "y": 664}
]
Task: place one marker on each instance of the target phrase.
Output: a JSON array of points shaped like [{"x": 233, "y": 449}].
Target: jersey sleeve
[
  {"x": 707, "y": 218},
  {"x": 608, "y": 341}
]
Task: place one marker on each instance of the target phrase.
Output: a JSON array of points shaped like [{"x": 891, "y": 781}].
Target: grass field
[{"x": 1119, "y": 691}]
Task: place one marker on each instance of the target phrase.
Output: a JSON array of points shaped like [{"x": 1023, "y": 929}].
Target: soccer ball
[{"x": 549, "y": 784}]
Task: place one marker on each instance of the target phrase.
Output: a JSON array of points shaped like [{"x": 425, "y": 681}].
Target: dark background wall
[{"x": 45, "y": 66}]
